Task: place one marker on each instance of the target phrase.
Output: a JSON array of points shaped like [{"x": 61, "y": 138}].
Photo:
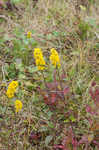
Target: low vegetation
[{"x": 49, "y": 75}]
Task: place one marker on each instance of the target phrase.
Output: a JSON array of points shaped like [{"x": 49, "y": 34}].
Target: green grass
[{"x": 48, "y": 116}]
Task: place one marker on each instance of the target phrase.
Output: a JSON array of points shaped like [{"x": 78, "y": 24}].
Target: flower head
[
  {"x": 54, "y": 58},
  {"x": 38, "y": 53},
  {"x": 13, "y": 84},
  {"x": 40, "y": 63},
  {"x": 18, "y": 105},
  {"x": 10, "y": 93},
  {"x": 12, "y": 89},
  {"x": 29, "y": 34},
  {"x": 39, "y": 60}
]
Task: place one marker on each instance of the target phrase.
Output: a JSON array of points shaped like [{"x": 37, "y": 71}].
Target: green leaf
[
  {"x": 92, "y": 22},
  {"x": 49, "y": 113},
  {"x": 55, "y": 33},
  {"x": 67, "y": 120},
  {"x": 48, "y": 139},
  {"x": 16, "y": 1},
  {"x": 83, "y": 8},
  {"x": 32, "y": 69},
  {"x": 72, "y": 118},
  {"x": 21, "y": 76},
  {"x": 34, "y": 43},
  {"x": 51, "y": 125},
  {"x": 72, "y": 72},
  {"x": 49, "y": 36},
  {"x": 43, "y": 129}
]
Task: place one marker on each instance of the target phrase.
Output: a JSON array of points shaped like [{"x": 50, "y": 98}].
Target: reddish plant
[
  {"x": 34, "y": 137},
  {"x": 94, "y": 92}
]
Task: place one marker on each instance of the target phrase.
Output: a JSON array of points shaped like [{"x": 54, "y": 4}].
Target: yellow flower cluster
[
  {"x": 18, "y": 105},
  {"x": 54, "y": 58},
  {"x": 39, "y": 60},
  {"x": 12, "y": 89},
  {"x": 29, "y": 34}
]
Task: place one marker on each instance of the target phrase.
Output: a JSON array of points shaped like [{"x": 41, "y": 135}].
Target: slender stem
[
  {"x": 61, "y": 84},
  {"x": 45, "y": 81}
]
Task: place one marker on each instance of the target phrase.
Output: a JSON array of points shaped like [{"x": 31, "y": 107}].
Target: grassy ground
[{"x": 60, "y": 105}]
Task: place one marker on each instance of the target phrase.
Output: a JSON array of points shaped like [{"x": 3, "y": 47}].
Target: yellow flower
[
  {"x": 10, "y": 93},
  {"x": 18, "y": 105},
  {"x": 53, "y": 51},
  {"x": 40, "y": 63},
  {"x": 13, "y": 84},
  {"x": 12, "y": 89},
  {"x": 54, "y": 58},
  {"x": 39, "y": 60},
  {"x": 37, "y": 53},
  {"x": 29, "y": 34}
]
